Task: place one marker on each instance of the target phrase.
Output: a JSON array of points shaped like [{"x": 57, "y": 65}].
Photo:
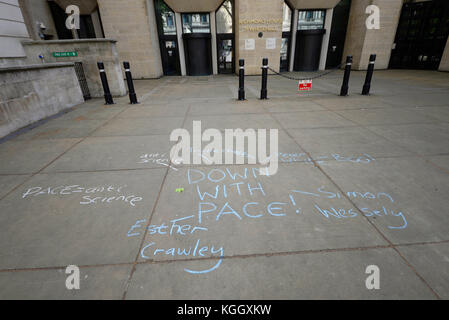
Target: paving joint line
[
  {"x": 286, "y": 163},
  {"x": 237, "y": 256},
  {"x": 167, "y": 170}
]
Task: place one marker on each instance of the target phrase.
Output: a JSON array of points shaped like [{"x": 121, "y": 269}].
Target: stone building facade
[{"x": 165, "y": 37}]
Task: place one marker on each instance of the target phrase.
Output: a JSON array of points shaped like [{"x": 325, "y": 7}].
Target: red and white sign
[{"x": 305, "y": 85}]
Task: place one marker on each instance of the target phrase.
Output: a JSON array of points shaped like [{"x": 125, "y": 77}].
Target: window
[
  {"x": 166, "y": 18},
  {"x": 311, "y": 19},
  {"x": 195, "y": 23},
  {"x": 224, "y": 18},
  {"x": 287, "y": 18},
  {"x": 87, "y": 30}
]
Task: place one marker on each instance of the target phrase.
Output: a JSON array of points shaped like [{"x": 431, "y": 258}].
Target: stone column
[
  {"x": 361, "y": 42},
  {"x": 97, "y": 24},
  {"x": 213, "y": 31},
  {"x": 182, "y": 57},
  {"x": 294, "y": 30},
  {"x": 444, "y": 64},
  {"x": 253, "y": 17},
  {"x": 133, "y": 26},
  {"x": 326, "y": 38}
]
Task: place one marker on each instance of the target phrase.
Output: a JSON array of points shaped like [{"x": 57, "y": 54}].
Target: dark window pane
[
  {"x": 311, "y": 19},
  {"x": 195, "y": 23}
]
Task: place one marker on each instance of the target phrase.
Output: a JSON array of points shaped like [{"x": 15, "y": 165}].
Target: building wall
[
  {"x": 12, "y": 30},
  {"x": 134, "y": 27},
  {"x": 361, "y": 42},
  {"x": 252, "y": 17},
  {"x": 31, "y": 93},
  {"x": 89, "y": 52},
  {"x": 36, "y": 12}
]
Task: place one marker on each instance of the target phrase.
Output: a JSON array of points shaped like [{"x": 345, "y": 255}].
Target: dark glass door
[
  {"x": 225, "y": 53},
  {"x": 337, "y": 37},
  {"x": 170, "y": 55},
  {"x": 285, "y": 51},
  {"x": 421, "y": 35},
  {"x": 168, "y": 41},
  {"x": 197, "y": 43},
  {"x": 309, "y": 39},
  {"x": 198, "y": 53}
]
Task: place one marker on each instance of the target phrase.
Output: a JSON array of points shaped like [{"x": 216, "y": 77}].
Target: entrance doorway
[
  {"x": 309, "y": 39},
  {"x": 421, "y": 35},
  {"x": 168, "y": 41},
  {"x": 197, "y": 43},
  {"x": 224, "y": 18}
]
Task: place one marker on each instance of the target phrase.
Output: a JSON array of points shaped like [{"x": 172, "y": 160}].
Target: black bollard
[
  {"x": 345, "y": 85},
  {"x": 369, "y": 75},
  {"x": 129, "y": 79},
  {"x": 263, "y": 91},
  {"x": 241, "y": 79},
  {"x": 104, "y": 82}
]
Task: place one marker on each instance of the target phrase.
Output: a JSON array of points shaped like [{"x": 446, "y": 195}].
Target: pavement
[{"x": 362, "y": 181}]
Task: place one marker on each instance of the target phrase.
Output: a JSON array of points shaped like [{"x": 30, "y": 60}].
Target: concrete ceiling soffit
[
  {"x": 86, "y": 6},
  {"x": 313, "y": 4},
  {"x": 194, "y": 5}
]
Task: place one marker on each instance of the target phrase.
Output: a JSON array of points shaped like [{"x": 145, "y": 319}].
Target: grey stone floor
[{"x": 362, "y": 181}]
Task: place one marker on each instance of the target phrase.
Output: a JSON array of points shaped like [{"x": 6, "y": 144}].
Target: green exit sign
[{"x": 65, "y": 54}]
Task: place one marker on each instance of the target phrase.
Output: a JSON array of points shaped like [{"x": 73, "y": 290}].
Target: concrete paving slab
[
  {"x": 245, "y": 213},
  {"x": 233, "y": 121},
  {"x": 327, "y": 275},
  {"x": 432, "y": 262},
  {"x": 154, "y": 111},
  {"x": 9, "y": 182},
  {"x": 406, "y": 198},
  {"x": 92, "y": 112},
  {"x": 288, "y": 152},
  {"x": 347, "y": 142},
  {"x": 102, "y": 283},
  {"x": 425, "y": 139},
  {"x": 139, "y": 127},
  {"x": 115, "y": 153},
  {"x": 19, "y": 157},
  {"x": 317, "y": 119},
  {"x": 440, "y": 161},
  {"x": 351, "y": 102},
  {"x": 183, "y": 90},
  {"x": 439, "y": 113},
  {"x": 417, "y": 99},
  {"x": 62, "y": 129},
  {"x": 76, "y": 218},
  {"x": 288, "y": 105},
  {"x": 368, "y": 117},
  {"x": 225, "y": 108},
  {"x": 119, "y": 102}
]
